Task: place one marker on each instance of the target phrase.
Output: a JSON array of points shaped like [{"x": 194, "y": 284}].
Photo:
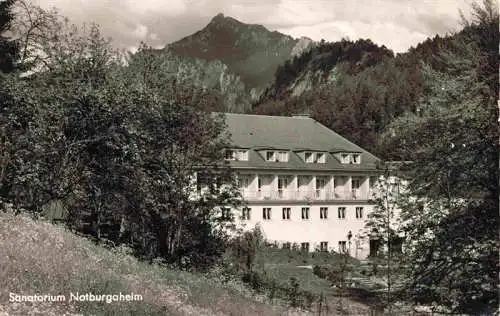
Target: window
[
  {"x": 323, "y": 212},
  {"x": 302, "y": 182},
  {"x": 226, "y": 213},
  {"x": 242, "y": 155},
  {"x": 304, "y": 246},
  {"x": 244, "y": 181},
  {"x": 341, "y": 212},
  {"x": 266, "y": 213},
  {"x": 263, "y": 181},
  {"x": 320, "y": 158},
  {"x": 308, "y": 157},
  {"x": 286, "y": 213},
  {"x": 336, "y": 183},
  {"x": 355, "y": 183},
  {"x": 355, "y": 159},
  {"x": 282, "y": 156},
  {"x": 344, "y": 158},
  {"x": 320, "y": 185},
  {"x": 282, "y": 183},
  {"x": 359, "y": 212},
  {"x": 229, "y": 154},
  {"x": 270, "y": 156},
  {"x": 245, "y": 213},
  {"x": 323, "y": 246},
  {"x": 305, "y": 213},
  {"x": 342, "y": 246},
  {"x": 287, "y": 245}
]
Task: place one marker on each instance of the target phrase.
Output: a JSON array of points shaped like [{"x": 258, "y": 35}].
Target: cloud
[
  {"x": 398, "y": 24},
  {"x": 140, "y": 32},
  {"x": 167, "y": 8}
]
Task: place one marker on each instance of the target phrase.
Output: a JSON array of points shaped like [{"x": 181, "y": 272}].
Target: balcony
[{"x": 308, "y": 195}]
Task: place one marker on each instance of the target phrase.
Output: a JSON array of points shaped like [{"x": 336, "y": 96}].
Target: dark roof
[{"x": 258, "y": 132}]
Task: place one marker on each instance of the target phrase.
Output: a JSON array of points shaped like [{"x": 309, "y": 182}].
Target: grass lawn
[
  {"x": 41, "y": 258},
  {"x": 282, "y": 265}
]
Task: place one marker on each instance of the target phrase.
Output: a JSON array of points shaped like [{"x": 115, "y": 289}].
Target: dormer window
[
  {"x": 309, "y": 157},
  {"x": 282, "y": 156},
  {"x": 355, "y": 159},
  {"x": 349, "y": 158},
  {"x": 314, "y": 157},
  {"x": 239, "y": 155},
  {"x": 242, "y": 155},
  {"x": 276, "y": 156},
  {"x": 320, "y": 158},
  {"x": 230, "y": 154},
  {"x": 345, "y": 158}
]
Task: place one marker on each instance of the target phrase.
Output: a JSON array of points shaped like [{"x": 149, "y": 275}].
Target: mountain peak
[
  {"x": 222, "y": 19},
  {"x": 249, "y": 50},
  {"x": 219, "y": 16}
]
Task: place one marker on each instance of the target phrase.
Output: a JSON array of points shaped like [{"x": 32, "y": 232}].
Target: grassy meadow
[
  {"x": 47, "y": 259},
  {"x": 41, "y": 258}
]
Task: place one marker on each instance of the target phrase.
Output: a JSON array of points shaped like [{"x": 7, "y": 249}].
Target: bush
[
  {"x": 257, "y": 281},
  {"x": 293, "y": 294},
  {"x": 321, "y": 271},
  {"x": 243, "y": 249},
  {"x": 262, "y": 283}
]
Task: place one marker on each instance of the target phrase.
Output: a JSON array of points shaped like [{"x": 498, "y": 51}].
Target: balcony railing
[{"x": 298, "y": 195}]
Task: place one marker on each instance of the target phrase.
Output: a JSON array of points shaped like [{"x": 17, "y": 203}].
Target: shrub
[
  {"x": 256, "y": 280},
  {"x": 321, "y": 271},
  {"x": 244, "y": 249},
  {"x": 293, "y": 293}
]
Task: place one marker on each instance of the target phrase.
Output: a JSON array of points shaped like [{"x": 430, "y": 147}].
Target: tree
[
  {"x": 451, "y": 215},
  {"x": 118, "y": 155},
  {"x": 173, "y": 77},
  {"x": 384, "y": 225},
  {"x": 245, "y": 247},
  {"x": 209, "y": 84},
  {"x": 9, "y": 49},
  {"x": 40, "y": 158}
]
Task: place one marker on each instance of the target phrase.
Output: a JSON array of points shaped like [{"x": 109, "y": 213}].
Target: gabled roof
[{"x": 296, "y": 134}]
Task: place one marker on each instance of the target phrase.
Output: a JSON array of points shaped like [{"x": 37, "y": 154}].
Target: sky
[{"x": 397, "y": 24}]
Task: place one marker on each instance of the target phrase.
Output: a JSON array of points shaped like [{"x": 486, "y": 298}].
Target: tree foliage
[
  {"x": 245, "y": 247},
  {"x": 320, "y": 60},
  {"x": 9, "y": 48},
  {"x": 360, "y": 105},
  {"x": 451, "y": 211},
  {"x": 118, "y": 154},
  {"x": 209, "y": 84}
]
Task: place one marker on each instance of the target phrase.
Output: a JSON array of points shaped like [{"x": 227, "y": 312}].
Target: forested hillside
[
  {"x": 316, "y": 66},
  {"x": 355, "y": 88}
]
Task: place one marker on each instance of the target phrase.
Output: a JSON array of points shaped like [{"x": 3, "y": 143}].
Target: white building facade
[{"x": 302, "y": 183}]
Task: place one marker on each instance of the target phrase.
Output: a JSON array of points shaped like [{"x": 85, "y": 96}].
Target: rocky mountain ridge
[{"x": 250, "y": 51}]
